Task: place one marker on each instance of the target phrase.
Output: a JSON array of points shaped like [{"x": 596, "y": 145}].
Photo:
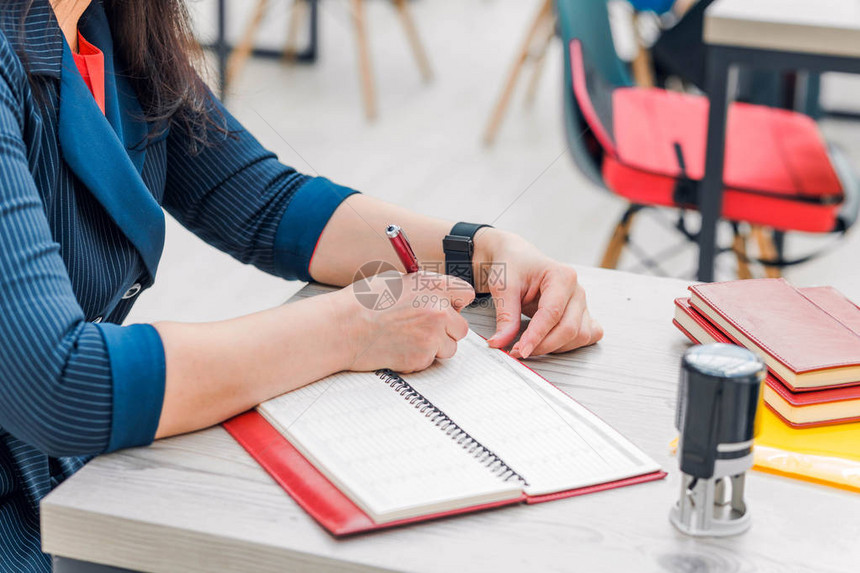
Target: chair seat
[{"x": 777, "y": 169}]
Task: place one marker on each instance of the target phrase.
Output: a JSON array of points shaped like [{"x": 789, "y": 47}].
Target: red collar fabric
[{"x": 91, "y": 65}]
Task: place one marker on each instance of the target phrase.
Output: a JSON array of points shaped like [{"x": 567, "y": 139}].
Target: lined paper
[
  {"x": 380, "y": 451},
  {"x": 546, "y": 437}
]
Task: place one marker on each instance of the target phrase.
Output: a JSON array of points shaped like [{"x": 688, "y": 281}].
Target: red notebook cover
[
  {"x": 835, "y": 304},
  {"x": 816, "y": 396},
  {"x": 711, "y": 331},
  {"x": 786, "y": 325},
  {"x": 795, "y": 399}
]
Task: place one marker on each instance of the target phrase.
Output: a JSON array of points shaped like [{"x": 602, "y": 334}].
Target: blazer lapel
[
  {"x": 122, "y": 109},
  {"x": 96, "y": 152}
]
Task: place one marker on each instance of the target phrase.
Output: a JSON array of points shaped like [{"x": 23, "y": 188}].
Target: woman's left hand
[{"x": 522, "y": 280}]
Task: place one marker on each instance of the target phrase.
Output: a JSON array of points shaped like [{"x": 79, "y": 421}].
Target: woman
[{"x": 103, "y": 122}]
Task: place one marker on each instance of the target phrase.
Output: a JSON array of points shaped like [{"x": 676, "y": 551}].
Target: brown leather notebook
[
  {"x": 836, "y": 304},
  {"x": 806, "y": 340}
]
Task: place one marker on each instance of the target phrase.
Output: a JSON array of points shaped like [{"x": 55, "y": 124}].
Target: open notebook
[{"x": 477, "y": 430}]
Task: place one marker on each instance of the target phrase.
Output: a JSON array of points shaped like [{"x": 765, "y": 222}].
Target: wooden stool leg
[
  {"x": 297, "y": 16},
  {"x": 414, "y": 40},
  {"x": 498, "y": 114},
  {"x": 643, "y": 71},
  {"x": 537, "y": 68},
  {"x": 364, "y": 65},
  {"x": 241, "y": 53},
  {"x": 767, "y": 251},
  {"x": 619, "y": 239},
  {"x": 739, "y": 246}
]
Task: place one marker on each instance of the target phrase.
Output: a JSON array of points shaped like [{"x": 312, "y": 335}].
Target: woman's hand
[
  {"x": 404, "y": 322},
  {"x": 523, "y": 280}
]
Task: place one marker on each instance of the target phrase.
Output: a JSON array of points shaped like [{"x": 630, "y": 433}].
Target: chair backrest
[{"x": 587, "y": 21}]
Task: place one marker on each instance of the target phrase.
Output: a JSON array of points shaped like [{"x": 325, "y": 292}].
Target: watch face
[{"x": 457, "y": 244}]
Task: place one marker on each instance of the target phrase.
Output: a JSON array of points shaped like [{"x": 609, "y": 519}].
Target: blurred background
[{"x": 421, "y": 141}]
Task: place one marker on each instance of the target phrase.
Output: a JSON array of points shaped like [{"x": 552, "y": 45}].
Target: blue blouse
[{"x": 81, "y": 233}]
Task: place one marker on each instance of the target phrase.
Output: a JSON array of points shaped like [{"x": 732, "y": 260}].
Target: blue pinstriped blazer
[{"x": 81, "y": 232}]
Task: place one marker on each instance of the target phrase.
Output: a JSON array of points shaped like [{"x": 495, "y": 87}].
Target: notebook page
[
  {"x": 380, "y": 451},
  {"x": 546, "y": 437}
]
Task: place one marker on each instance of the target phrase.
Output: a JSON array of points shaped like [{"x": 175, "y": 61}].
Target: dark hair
[
  {"x": 155, "y": 42},
  {"x": 155, "y": 45}
]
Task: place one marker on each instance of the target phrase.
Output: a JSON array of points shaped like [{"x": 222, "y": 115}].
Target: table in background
[
  {"x": 817, "y": 36},
  {"x": 199, "y": 503}
]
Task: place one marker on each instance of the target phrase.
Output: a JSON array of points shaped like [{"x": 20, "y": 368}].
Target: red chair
[
  {"x": 648, "y": 146},
  {"x": 778, "y": 172}
]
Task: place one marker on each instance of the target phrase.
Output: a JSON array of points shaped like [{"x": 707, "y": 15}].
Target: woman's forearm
[
  {"x": 217, "y": 370},
  {"x": 355, "y": 235}
]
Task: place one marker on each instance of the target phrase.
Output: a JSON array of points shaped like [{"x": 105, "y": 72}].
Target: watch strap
[{"x": 459, "y": 246}]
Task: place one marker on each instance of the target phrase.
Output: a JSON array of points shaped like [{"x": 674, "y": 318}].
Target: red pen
[{"x": 402, "y": 248}]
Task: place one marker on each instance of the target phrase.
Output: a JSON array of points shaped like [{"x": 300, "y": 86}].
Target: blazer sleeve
[
  {"x": 236, "y": 196},
  {"x": 67, "y": 386}
]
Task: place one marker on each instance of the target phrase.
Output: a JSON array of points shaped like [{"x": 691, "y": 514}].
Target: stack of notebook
[{"x": 809, "y": 338}]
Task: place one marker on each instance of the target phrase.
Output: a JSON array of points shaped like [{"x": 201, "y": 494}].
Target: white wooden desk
[
  {"x": 816, "y": 27},
  {"x": 783, "y": 35},
  {"x": 199, "y": 503}
]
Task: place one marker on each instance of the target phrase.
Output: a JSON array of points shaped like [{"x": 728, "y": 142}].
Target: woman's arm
[
  {"x": 237, "y": 196},
  {"x": 67, "y": 386},
  {"x": 355, "y": 235},
  {"x": 217, "y": 370}
]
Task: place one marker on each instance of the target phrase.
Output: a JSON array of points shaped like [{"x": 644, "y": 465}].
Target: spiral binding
[{"x": 484, "y": 455}]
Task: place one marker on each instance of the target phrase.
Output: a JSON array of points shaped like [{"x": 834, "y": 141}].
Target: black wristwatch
[{"x": 459, "y": 246}]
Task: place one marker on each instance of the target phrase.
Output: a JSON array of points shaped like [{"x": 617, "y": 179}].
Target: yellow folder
[{"x": 828, "y": 455}]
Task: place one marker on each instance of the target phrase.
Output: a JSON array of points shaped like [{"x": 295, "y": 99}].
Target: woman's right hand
[{"x": 404, "y": 322}]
